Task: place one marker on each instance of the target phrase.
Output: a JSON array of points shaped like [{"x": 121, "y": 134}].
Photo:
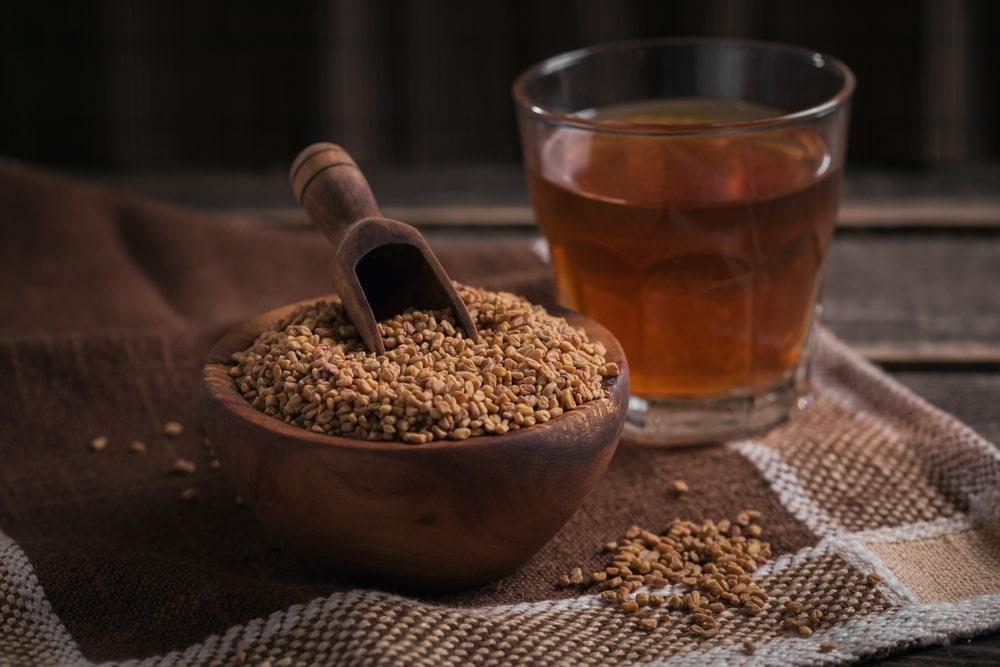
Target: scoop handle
[{"x": 331, "y": 188}]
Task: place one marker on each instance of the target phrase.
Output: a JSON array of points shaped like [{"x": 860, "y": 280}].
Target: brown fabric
[{"x": 114, "y": 305}]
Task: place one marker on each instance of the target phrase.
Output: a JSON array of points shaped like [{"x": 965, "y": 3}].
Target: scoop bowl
[{"x": 441, "y": 516}]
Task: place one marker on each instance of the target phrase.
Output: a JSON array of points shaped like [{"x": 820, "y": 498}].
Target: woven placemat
[{"x": 101, "y": 559}]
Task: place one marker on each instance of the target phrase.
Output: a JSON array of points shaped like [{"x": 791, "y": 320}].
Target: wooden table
[{"x": 913, "y": 280}]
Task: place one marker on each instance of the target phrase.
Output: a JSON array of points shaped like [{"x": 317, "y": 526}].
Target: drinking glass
[{"x": 687, "y": 190}]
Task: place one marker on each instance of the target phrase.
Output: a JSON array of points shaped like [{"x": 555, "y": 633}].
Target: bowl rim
[{"x": 219, "y": 387}]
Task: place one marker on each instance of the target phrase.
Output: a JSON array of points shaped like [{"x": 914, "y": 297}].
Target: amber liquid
[{"x": 701, "y": 253}]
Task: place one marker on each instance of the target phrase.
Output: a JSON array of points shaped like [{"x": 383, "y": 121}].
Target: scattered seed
[
  {"x": 805, "y": 630},
  {"x": 98, "y": 443},
  {"x": 793, "y": 607},
  {"x": 183, "y": 467},
  {"x": 214, "y": 464},
  {"x": 137, "y": 447},
  {"x": 189, "y": 493},
  {"x": 630, "y": 606},
  {"x": 680, "y": 487},
  {"x": 815, "y": 615},
  {"x": 173, "y": 429},
  {"x": 749, "y": 647},
  {"x": 648, "y": 623},
  {"x": 599, "y": 576},
  {"x": 873, "y": 579},
  {"x": 826, "y": 647}
]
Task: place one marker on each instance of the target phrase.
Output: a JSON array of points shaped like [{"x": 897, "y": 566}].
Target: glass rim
[{"x": 563, "y": 60}]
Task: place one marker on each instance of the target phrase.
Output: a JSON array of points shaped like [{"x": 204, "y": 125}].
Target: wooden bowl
[{"x": 441, "y": 516}]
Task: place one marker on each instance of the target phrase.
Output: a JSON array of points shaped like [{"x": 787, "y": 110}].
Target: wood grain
[
  {"x": 381, "y": 267},
  {"x": 441, "y": 516}
]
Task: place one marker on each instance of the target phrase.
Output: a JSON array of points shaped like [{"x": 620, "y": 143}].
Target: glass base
[{"x": 678, "y": 421}]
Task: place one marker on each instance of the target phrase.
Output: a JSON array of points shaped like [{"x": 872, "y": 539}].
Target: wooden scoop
[{"x": 381, "y": 267}]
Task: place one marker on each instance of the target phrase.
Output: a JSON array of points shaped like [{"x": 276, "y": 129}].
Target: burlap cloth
[{"x": 109, "y": 305}]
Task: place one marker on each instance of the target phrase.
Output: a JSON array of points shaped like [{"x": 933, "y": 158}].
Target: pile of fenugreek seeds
[
  {"x": 433, "y": 383},
  {"x": 711, "y": 560},
  {"x": 708, "y": 568}
]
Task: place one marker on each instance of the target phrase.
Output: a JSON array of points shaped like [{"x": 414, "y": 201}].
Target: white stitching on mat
[
  {"x": 921, "y": 530},
  {"x": 918, "y": 625},
  {"x": 28, "y": 612},
  {"x": 785, "y": 484}
]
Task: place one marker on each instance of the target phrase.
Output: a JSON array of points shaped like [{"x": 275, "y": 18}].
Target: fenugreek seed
[
  {"x": 609, "y": 595},
  {"x": 183, "y": 467},
  {"x": 826, "y": 647},
  {"x": 648, "y": 623},
  {"x": 173, "y": 429},
  {"x": 675, "y": 602},
  {"x": 815, "y": 615},
  {"x": 697, "y": 629},
  {"x": 749, "y": 647},
  {"x": 189, "y": 493},
  {"x": 743, "y": 519},
  {"x": 680, "y": 487},
  {"x": 754, "y": 530},
  {"x": 215, "y": 464},
  {"x": 793, "y": 607},
  {"x": 717, "y": 607},
  {"x": 703, "y": 619},
  {"x": 630, "y": 606},
  {"x": 805, "y": 631},
  {"x": 873, "y": 579},
  {"x": 565, "y": 581},
  {"x": 790, "y": 624},
  {"x": 710, "y": 632},
  {"x": 657, "y": 600},
  {"x": 137, "y": 447},
  {"x": 642, "y": 599},
  {"x": 598, "y": 576},
  {"x": 753, "y": 609},
  {"x": 98, "y": 443}
]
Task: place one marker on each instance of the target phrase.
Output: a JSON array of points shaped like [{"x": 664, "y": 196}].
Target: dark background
[{"x": 118, "y": 86}]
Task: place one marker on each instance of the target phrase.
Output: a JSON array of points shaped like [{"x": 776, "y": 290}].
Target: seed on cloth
[
  {"x": 312, "y": 370},
  {"x": 173, "y": 429},
  {"x": 680, "y": 487},
  {"x": 137, "y": 447},
  {"x": 826, "y": 647},
  {"x": 749, "y": 647},
  {"x": 648, "y": 623},
  {"x": 189, "y": 493},
  {"x": 873, "y": 579},
  {"x": 214, "y": 464},
  {"x": 710, "y": 567},
  {"x": 805, "y": 630},
  {"x": 183, "y": 467},
  {"x": 793, "y": 607},
  {"x": 98, "y": 443}
]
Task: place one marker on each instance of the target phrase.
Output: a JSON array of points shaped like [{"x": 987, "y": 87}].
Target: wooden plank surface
[{"x": 495, "y": 194}]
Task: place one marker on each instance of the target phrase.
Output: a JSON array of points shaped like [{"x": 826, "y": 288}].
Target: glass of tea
[{"x": 687, "y": 189}]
